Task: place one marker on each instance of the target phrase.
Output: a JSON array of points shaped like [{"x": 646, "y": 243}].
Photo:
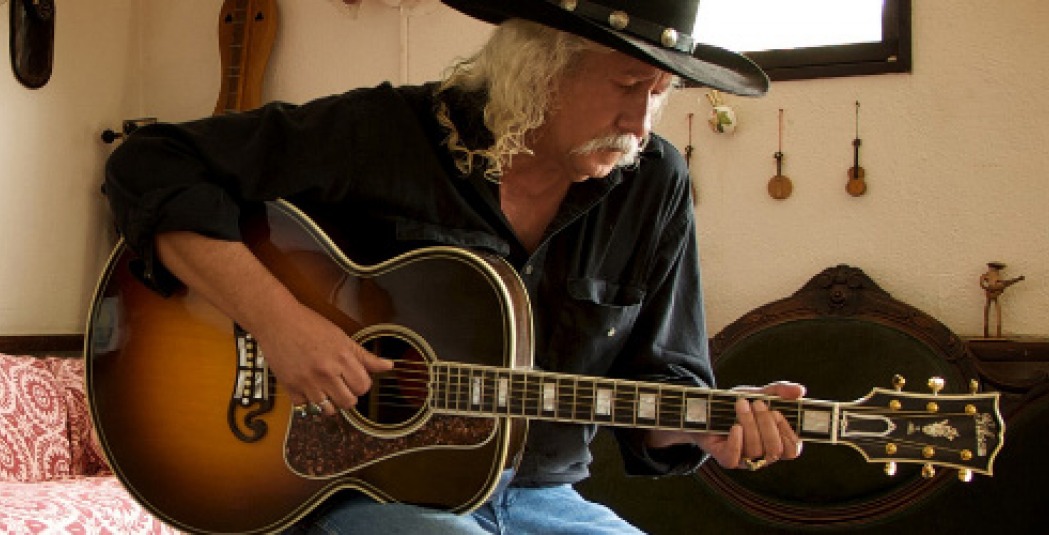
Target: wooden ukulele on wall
[{"x": 247, "y": 29}]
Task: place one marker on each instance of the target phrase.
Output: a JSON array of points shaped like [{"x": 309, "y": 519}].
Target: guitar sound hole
[{"x": 397, "y": 396}]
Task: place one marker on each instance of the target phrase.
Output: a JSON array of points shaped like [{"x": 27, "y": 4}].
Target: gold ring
[
  {"x": 754, "y": 465},
  {"x": 315, "y": 409},
  {"x": 300, "y": 410}
]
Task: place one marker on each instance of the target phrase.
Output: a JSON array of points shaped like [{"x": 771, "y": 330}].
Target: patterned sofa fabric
[
  {"x": 53, "y": 477},
  {"x": 89, "y": 505}
]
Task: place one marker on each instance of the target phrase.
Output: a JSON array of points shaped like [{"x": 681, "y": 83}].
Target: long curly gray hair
[{"x": 518, "y": 69}]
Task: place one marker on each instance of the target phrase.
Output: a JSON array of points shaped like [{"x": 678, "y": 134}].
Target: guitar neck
[{"x": 473, "y": 390}]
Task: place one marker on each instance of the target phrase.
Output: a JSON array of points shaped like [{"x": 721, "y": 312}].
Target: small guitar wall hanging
[
  {"x": 780, "y": 186},
  {"x": 32, "y": 43},
  {"x": 247, "y": 29},
  {"x": 856, "y": 185}
]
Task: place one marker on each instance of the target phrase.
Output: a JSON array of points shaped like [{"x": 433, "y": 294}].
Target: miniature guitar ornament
[
  {"x": 857, "y": 185},
  {"x": 183, "y": 400},
  {"x": 780, "y": 187},
  {"x": 247, "y": 29}
]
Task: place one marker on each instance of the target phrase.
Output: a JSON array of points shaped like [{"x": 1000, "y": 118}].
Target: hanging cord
[{"x": 689, "y": 149}]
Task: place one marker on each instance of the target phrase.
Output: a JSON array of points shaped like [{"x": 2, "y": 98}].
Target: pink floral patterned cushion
[
  {"x": 87, "y": 456},
  {"x": 34, "y": 444},
  {"x": 81, "y": 505}
]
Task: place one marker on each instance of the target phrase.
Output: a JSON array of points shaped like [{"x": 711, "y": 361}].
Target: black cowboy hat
[{"x": 658, "y": 32}]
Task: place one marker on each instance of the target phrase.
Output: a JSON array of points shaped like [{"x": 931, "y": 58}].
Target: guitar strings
[
  {"x": 398, "y": 389},
  {"x": 410, "y": 385}
]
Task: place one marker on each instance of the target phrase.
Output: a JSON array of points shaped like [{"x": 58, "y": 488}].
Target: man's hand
[
  {"x": 759, "y": 433},
  {"x": 758, "y": 438},
  {"x": 317, "y": 364}
]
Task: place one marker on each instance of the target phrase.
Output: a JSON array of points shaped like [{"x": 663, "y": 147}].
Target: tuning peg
[
  {"x": 965, "y": 475},
  {"x": 974, "y": 386},
  {"x": 890, "y": 468},
  {"x": 928, "y": 472},
  {"x": 936, "y": 384},
  {"x": 898, "y": 381}
]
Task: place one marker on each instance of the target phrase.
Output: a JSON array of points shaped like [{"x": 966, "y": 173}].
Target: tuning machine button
[
  {"x": 936, "y": 384},
  {"x": 890, "y": 468},
  {"x": 928, "y": 471},
  {"x": 898, "y": 381},
  {"x": 965, "y": 475}
]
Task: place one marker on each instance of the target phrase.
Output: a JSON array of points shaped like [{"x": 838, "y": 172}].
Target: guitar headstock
[{"x": 963, "y": 431}]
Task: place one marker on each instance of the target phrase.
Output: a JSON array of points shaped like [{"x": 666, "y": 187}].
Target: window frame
[{"x": 891, "y": 55}]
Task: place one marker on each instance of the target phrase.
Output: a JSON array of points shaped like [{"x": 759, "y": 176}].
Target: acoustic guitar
[{"x": 195, "y": 426}]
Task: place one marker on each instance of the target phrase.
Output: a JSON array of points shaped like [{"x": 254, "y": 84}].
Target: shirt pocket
[{"x": 594, "y": 324}]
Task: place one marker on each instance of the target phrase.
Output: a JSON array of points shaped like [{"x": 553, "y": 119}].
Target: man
[{"x": 538, "y": 149}]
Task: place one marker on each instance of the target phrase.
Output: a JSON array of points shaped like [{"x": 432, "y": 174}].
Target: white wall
[
  {"x": 955, "y": 152},
  {"x": 53, "y": 229}
]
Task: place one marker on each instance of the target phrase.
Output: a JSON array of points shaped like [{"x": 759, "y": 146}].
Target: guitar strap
[{"x": 32, "y": 41}]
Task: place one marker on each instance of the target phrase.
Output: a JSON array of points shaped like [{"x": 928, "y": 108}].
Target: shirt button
[{"x": 528, "y": 269}]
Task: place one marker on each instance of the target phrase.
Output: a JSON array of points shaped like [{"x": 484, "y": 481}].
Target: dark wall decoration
[{"x": 32, "y": 41}]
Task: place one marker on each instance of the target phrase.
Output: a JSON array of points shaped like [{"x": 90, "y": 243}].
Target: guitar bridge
[{"x": 252, "y": 391}]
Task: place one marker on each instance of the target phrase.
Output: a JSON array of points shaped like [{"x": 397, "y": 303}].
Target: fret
[
  {"x": 445, "y": 376},
  {"x": 518, "y": 394},
  {"x": 671, "y": 407},
  {"x": 532, "y": 404},
  {"x": 502, "y": 393},
  {"x": 624, "y": 406},
  {"x": 453, "y": 389},
  {"x": 697, "y": 412},
  {"x": 436, "y": 386},
  {"x": 647, "y": 405},
  {"x": 817, "y": 423},
  {"x": 722, "y": 420},
  {"x": 461, "y": 386},
  {"x": 488, "y": 405},
  {"x": 604, "y": 399},
  {"x": 548, "y": 393},
  {"x": 566, "y": 397},
  {"x": 584, "y": 400},
  {"x": 474, "y": 385}
]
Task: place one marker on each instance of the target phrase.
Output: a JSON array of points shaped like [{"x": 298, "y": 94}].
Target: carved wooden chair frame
[{"x": 841, "y": 292}]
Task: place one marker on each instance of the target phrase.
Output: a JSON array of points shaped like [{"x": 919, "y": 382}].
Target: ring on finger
[{"x": 753, "y": 464}]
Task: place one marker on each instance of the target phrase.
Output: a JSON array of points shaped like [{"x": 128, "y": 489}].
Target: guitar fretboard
[{"x": 490, "y": 391}]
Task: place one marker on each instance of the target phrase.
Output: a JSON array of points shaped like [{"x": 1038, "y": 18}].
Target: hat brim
[{"x": 708, "y": 65}]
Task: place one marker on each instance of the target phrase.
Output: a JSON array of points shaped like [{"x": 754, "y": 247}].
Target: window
[{"x": 800, "y": 39}]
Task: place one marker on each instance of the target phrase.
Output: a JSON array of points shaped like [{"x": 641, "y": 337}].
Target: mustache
[{"x": 628, "y": 144}]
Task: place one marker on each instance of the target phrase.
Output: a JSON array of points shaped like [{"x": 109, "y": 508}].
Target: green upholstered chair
[{"x": 840, "y": 335}]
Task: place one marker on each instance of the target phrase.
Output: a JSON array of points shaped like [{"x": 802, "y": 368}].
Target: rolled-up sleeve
[{"x": 194, "y": 176}]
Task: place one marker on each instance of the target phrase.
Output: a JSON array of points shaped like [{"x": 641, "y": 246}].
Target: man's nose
[{"x": 636, "y": 119}]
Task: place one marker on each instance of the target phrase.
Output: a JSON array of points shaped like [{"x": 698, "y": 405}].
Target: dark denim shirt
[{"x": 614, "y": 285}]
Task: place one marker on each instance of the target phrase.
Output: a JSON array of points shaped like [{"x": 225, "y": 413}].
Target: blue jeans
[{"x": 553, "y": 510}]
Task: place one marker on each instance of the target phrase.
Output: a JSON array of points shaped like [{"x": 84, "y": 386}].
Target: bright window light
[{"x": 756, "y": 25}]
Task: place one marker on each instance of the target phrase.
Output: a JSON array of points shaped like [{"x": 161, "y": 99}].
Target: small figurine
[{"x": 994, "y": 285}]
